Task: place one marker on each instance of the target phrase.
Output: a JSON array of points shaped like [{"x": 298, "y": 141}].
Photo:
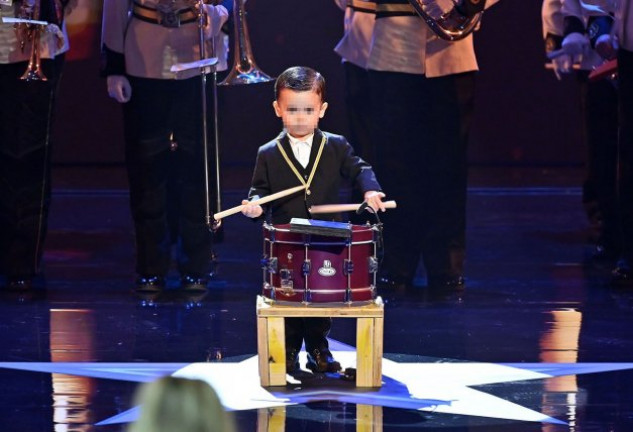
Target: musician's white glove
[
  {"x": 576, "y": 45},
  {"x": 437, "y": 8},
  {"x": 606, "y": 46},
  {"x": 216, "y": 17},
  {"x": 562, "y": 65},
  {"x": 374, "y": 199},
  {"x": 119, "y": 88},
  {"x": 250, "y": 210}
]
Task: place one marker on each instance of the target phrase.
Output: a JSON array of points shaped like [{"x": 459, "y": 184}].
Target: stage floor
[{"x": 537, "y": 341}]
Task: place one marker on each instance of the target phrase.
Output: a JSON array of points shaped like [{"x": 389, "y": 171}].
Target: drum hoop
[
  {"x": 321, "y": 243},
  {"x": 330, "y": 291}
]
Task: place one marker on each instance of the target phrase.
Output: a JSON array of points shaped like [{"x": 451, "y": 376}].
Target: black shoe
[
  {"x": 387, "y": 280},
  {"x": 193, "y": 283},
  {"x": 150, "y": 284},
  {"x": 19, "y": 284},
  {"x": 447, "y": 281},
  {"x": 321, "y": 361},
  {"x": 622, "y": 274},
  {"x": 292, "y": 361}
]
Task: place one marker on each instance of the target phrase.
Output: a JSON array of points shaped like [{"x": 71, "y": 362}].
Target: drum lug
[
  {"x": 372, "y": 264},
  {"x": 269, "y": 264},
  {"x": 286, "y": 277},
  {"x": 348, "y": 267},
  {"x": 287, "y": 286},
  {"x": 306, "y": 267}
]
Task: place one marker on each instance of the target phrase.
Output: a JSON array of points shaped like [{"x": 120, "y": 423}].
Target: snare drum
[{"x": 309, "y": 268}]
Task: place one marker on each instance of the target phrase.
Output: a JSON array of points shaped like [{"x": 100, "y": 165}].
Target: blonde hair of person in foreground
[{"x": 172, "y": 404}]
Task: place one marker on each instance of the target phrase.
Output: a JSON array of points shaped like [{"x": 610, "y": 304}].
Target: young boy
[{"x": 304, "y": 155}]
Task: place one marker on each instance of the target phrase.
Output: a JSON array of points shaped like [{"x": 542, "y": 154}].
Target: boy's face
[{"x": 300, "y": 111}]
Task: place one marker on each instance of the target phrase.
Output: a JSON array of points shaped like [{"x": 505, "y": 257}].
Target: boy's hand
[
  {"x": 374, "y": 199},
  {"x": 251, "y": 210}
]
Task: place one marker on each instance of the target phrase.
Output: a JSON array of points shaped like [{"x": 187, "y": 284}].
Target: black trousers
[
  {"x": 313, "y": 330},
  {"x": 358, "y": 101},
  {"x": 26, "y": 111},
  {"x": 599, "y": 101},
  {"x": 625, "y": 151},
  {"x": 421, "y": 129},
  {"x": 161, "y": 111}
]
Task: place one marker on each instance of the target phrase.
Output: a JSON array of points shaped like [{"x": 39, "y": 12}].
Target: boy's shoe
[{"x": 321, "y": 361}]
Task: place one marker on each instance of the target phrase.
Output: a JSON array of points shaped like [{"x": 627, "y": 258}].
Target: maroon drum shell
[{"x": 327, "y": 279}]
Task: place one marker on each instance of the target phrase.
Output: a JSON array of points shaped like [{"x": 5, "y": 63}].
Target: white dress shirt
[{"x": 301, "y": 148}]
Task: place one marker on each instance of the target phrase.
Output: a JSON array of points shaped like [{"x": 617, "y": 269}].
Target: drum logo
[{"x": 327, "y": 270}]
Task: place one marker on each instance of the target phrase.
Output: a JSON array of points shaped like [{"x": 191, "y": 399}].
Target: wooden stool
[{"x": 271, "y": 341}]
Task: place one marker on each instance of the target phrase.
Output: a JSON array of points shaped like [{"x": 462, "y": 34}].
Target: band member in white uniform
[
  {"x": 142, "y": 40},
  {"x": 423, "y": 97},
  {"x": 577, "y": 34},
  {"x": 354, "y": 51}
]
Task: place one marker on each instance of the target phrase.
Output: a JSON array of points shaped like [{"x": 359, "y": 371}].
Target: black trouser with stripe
[{"x": 159, "y": 110}]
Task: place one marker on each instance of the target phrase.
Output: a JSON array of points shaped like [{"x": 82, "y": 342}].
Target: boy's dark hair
[{"x": 300, "y": 78}]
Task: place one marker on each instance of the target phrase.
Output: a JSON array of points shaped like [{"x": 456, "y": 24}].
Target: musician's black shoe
[
  {"x": 292, "y": 361},
  {"x": 321, "y": 361},
  {"x": 447, "y": 281},
  {"x": 19, "y": 284},
  {"x": 622, "y": 274},
  {"x": 150, "y": 283},
  {"x": 387, "y": 280},
  {"x": 194, "y": 283}
]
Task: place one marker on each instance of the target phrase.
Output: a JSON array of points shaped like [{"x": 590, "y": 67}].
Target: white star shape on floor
[{"x": 444, "y": 387}]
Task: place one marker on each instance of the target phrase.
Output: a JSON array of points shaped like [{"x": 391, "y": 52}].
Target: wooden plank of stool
[
  {"x": 378, "y": 351},
  {"x": 365, "y": 345},
  {"x": 276, "y": 351},
  {"x": 262, "y": 351},
  {"x": 267, "y": 308}
]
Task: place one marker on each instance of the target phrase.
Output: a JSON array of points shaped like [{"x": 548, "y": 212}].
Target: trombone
[{"x": 244, "y": 70}]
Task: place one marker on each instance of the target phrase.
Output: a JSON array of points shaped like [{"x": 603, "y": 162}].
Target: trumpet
[
  {"x": 33, "y": 70},
  {"x": 244, "y": 70},
  {"x": 30, "y": 29},
  {"x": 453, "y": 25}
]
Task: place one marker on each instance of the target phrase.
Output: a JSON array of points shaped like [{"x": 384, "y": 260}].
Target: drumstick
[
  {"x": 335, "y": 208},
  {"x": 263, "y": 200}
]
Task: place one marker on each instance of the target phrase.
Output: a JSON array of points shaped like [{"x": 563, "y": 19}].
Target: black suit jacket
[{"x": 338, "y": 162}]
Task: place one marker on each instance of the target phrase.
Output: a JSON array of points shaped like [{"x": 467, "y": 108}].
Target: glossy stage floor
[{"x": 536, "y": 342}]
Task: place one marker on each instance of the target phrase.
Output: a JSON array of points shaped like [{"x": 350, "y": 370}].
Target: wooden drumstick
[
  {"x": 264, "y": 200},
  {"x": 336, "y": 208}
]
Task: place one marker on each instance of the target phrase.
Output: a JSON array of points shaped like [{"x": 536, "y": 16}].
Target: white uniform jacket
[
  {"x": 406, "y": 44},
  {"x": 359, "y": 25},
  {"x": 53, "y": 40},
  {"x": 149, "y": 50},
  {"x": 553, "y": 14}
]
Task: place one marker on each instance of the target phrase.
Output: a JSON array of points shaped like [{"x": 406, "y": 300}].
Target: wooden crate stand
[{"x": 271, "y": 346}]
